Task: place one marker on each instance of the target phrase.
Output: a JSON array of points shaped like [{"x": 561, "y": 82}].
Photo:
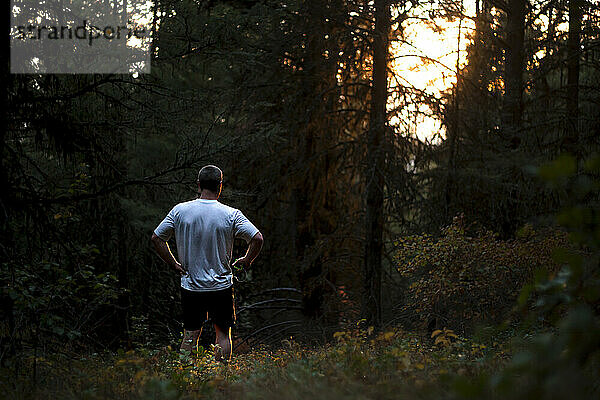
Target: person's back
[{"x": 204, "y": 231}]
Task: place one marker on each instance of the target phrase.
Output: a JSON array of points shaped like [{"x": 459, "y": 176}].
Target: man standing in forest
[{"x": 204, "y": 232}]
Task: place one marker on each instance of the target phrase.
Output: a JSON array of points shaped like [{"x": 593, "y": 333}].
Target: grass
[{"x": 356, "y": 365}]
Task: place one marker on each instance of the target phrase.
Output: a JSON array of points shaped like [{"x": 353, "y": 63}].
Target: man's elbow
[
  {"x": 258, "y": 238},
  {"x": 155, "y": 239}
]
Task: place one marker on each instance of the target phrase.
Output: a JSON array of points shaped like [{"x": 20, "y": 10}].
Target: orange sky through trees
[{"x": 425, "y": 59}]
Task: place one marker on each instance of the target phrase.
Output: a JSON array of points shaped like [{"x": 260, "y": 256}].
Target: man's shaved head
[{"x": 210, "y": 178}]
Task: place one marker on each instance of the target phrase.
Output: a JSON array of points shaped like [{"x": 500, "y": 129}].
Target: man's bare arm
[
  {"x": 254, "y": 248},
  {"x": 163, "y": 250}
]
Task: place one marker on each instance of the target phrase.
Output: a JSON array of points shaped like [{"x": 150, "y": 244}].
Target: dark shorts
[{"x": 199, "y": 306}]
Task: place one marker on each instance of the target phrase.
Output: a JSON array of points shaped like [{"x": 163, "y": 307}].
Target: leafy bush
[
  {"x": 563, "y": 360},
  {"x": 460, "y": 281},
  {"x": 50, "y": 304}
]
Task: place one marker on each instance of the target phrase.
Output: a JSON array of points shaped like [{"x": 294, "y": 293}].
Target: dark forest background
[{"x": 363, "y": 221}]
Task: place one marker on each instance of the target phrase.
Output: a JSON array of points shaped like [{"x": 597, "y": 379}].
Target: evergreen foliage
[{"x": 462, "y": 265}]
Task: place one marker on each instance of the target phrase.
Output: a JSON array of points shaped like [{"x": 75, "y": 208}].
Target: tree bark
[
  {"x": 375, "y": 165},
  {"x": 453, "y": 129},
  {"x": 7, "y": 79},
  {"x": 573, "y": 56},
  {"x": 513, "y": 68}
]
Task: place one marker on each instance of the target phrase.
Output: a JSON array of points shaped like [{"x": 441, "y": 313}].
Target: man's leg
[
  {"x": 190, "y": 340},
  {"x": 223, "y": 317},
  {"x": 194, "y": 315},
  {"x": 223, "y": 342}
]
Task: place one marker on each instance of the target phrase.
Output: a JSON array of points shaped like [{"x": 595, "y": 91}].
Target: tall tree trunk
[
  {"x": 513, "y": 68},
  {"x": 573, "y": 56},
  {"x": 124, "y": 301},
  {"x": 6, "y": 78},
  {"x": 7, "y": 342},
  {"x": 309, "y": 269},
  {"x": 375, "y": 165},
  {"x": 512, "y": 107},
  {"x": 453, "y": 131}
]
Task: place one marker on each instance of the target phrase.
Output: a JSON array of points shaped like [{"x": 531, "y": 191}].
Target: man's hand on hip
[
  {"x": 177, "y": 267},
  {"x": 163, "y": 250},
  {"x": 241, "y": 263},
  {"x": 253, "y": 249}
]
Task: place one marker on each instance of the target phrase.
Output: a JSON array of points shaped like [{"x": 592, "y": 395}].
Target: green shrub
[
  {"x": 51, "y": 305},
  {"x": 562, "y": 361},
  {"x": 460, "y": 281}
]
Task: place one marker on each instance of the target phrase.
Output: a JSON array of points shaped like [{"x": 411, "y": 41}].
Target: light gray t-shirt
[{"x": 204, "y": 232}]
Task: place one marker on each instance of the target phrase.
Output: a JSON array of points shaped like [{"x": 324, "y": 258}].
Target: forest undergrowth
[
  {"x": 535, "y": 333},
  {"x": 358, "y": 363}
]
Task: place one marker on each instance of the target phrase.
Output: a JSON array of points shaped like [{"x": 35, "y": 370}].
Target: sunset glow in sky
[{"x": 426, "y": 60}]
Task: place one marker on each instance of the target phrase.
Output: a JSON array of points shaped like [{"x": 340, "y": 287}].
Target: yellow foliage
[
  {"x": 471, "y": 279},
  {"x": 338, "y": 335},
  {"x": 443, "y": 337},
  {"x": 396, "y": 352},
  {"x": 441, "y": 340},
  {"x": 139, "y": 375}
]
